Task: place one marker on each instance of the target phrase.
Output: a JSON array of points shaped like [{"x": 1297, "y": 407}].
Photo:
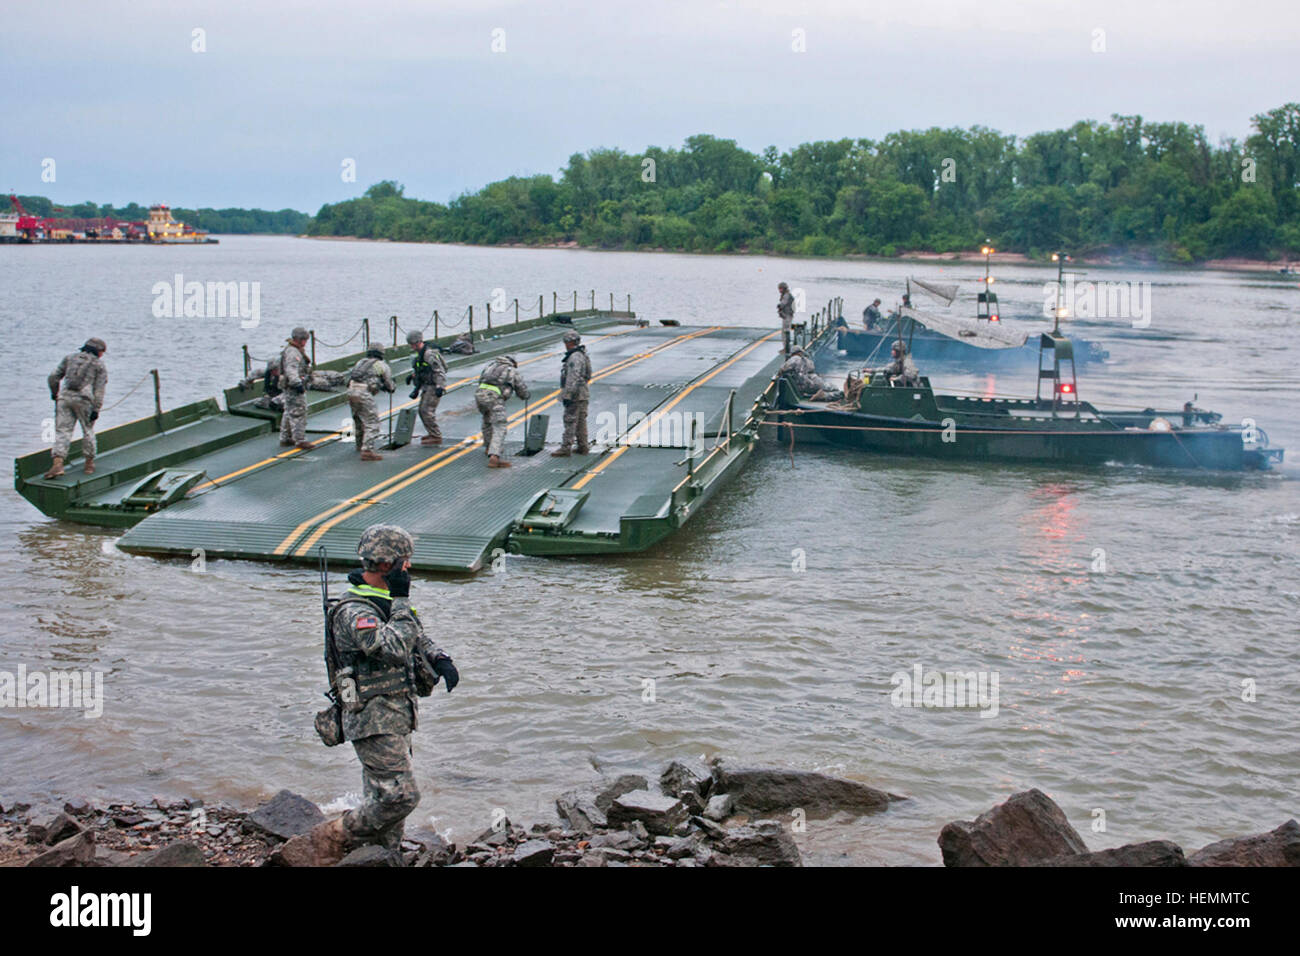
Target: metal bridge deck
[{"x": 259, "y": 500}]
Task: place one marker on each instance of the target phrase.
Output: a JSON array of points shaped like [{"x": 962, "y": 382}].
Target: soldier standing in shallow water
[
  {"x": 390, "y": 661},
  {"x": 367, "y": 378},
  {"x": 295, "y": 376},
  {"x": 77, "y": 387},
  {"x": 496, "y": 384},
  {"x": 429, "y": 375},
  {"x": 575, "y": 373}
]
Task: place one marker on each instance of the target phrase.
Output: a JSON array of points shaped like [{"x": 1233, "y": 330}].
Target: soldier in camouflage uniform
[
  {"x": 429, "y": 375},
  {"x": 378, "y": 636},
  {"x": 464, "y": 344},
  {"x": 496, "y": 384},
  {"x": 575, "y": 373},
  {"x": 902, "y": 370},
  {"x": 367, "y": 378},
  {"x": 77, "y": 388},
  {"x": 785, "y": 310},
  {"x": 802, "y": 373},
  {"x": 295, "y": 377}
]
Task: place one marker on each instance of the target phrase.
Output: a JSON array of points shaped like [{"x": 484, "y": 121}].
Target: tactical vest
[
  {"x": 564, "y": 362},
  {"x": 424, "y": 370},
  {"x": 374, "y": 679},
  {"x": 79, "y": 371},
  {"x": 496, "y": 378}
]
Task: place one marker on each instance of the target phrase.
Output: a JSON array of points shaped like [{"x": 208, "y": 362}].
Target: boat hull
[{"x": 928, "y": 346}]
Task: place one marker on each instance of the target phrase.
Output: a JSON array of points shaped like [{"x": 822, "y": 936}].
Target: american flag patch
[{"x": 367, "y": 622}]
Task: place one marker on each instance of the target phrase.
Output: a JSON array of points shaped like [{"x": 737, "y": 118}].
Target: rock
[
  {"x": 580, "y": 813},
  {"x": 76, "y": 850},
  {"x": 659, "y": 813},
  {"x": 182, "y": 853},
  {"x": 370, "y": 855},
  {"x": 719, "y": 807},
  {"x": 1280, "y": 847},
  {"x": 494, "y": 838},
  {"x": 1027, "y": 828},
  {"x": 765, "y": 843},
  {"x": 638, "y": 830},
  {"x": 1151, "y": 853},
  {"x": 609, "y": 854},
  {"x": 36, "y": 833},
  {"x": 686, "y": 776},
  {"x": 761, "y": 790},
  {"x": 285, "y": 815},
  {"x": 323, "y": 845},
  {"x": 434, "y": 850},
  {"x": 534, "y": 853},
  {"x": 709, "y": 828},
  {"x": 108, "y": 857},
  {"x": 128, "y": 819},
  {"x": 618, "y": 839},
  {"x": 676, "y": 848},
  {"x": 591, "y": 859},
  {"x": 77, "y": 806},
  {"x": 627, "y": 783},
  {"x": 692, "y": 801},
  {"x": 60, "y": 828}
]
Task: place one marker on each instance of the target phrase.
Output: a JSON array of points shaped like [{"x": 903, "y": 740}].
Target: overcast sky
[{"x": 114, "y": 93}]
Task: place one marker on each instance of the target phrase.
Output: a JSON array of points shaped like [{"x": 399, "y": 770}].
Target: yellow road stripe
[
  {"x": 451, "y": 454},
  {"x": 660, "y": 412},
  {"x": 337, "y": 436}
]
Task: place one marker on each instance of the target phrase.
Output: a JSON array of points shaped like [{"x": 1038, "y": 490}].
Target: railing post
[
  {"x": 365, "y": 332},
  {"x": 690, "y": 452},
  {"x": 393, "y": 319},
  {"x": 593, "y": 300},
  {"x": 247, "y": 362},
  {"x": 541, "y": 306},
  {"x": 575, "y": 300},
  {"x": 157, "y": 394},
  {"x": 471, "y": 323},
  {"x": 435, "y": 325},
  {"x": 629, "y": 302},
  {"x": 489, "y": 316},
  {"x": 555, "y": 305},
  {"x": 516, "y": 311},
  {"x": 313, "y": 346}
]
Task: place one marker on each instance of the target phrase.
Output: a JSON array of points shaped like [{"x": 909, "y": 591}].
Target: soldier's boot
[
  {"x": 287, "y": 443},
  {"x": 89, "y": 466},
  {"x": 304, "y": 444},
  {"x": 430, "y": 440},
  {"x": 584, "y": 449},
  {"x": 561, "y": 452},
  {"x": 56, "y": 469},
  {"x": 323, "y": 845},
  {"x": 496, "y": 461},
  {"x": 369, "y": 455}
]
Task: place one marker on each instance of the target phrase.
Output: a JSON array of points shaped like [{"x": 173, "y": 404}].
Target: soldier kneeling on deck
[
  {"x": 380, "y": 661},
  {"x": 365, "y": 380},
  {"x": 802, "y": 373},
  {"x": 575, "y": 373},
  {"x": 496, "y": 384},
  {"x": 77, "y": 387}
]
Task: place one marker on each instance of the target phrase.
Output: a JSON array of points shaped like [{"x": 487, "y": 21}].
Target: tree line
[{"x": 1153, "y": 189}]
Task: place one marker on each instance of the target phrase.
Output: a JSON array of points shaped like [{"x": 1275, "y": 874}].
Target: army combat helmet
[
  {"x": 572, "y": 338},
  {"x": 98, "y": 346},
  {"x": 384, "y": 544},
  {"x": 414, "y": 338},
  {"x": 375, "y": 349}
]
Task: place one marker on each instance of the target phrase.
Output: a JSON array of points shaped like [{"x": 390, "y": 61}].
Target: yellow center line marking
[
  {"x": 645, "y": 423},
  {"x": 430, "y": 465},
  {"x": 338, "y": 436}
]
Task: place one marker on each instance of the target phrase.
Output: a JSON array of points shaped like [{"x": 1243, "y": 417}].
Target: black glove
[
  {"x": 299, "y": 389},
  {"x": 54, "y": 396},
  {"x": 444, "y": 668},
  {"x": 409, "y": 379},
  {"x": 94, "y": 414},
  {"x": 567, "y": 402},
  {"x": 398, "y": 581},
  {"x": 440, "y": 391},
  {"x": 415, "y": 392}
]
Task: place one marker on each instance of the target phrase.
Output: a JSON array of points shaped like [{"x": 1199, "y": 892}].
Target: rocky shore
[{"x": 691, "y": 815}]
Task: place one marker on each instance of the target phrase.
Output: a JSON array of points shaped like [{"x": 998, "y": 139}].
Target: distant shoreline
[{"x": 1252, "y": 266}]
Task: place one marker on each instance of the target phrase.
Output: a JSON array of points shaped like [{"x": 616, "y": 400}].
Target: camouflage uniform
[
  {"x": 902, "y": 370},
  {"x": 496, "y": 384},
  {"x": 366, "y": 379},
  {"x": 295, "y": 373},
  {"x": 802, "y": 373},
  {"x": 575, "y": 373},
  {"x": 785, "y": 309},
  {"x": 79, "y": 384},
  {"x": 430, "y": 371},
  {"x": 464, "y": 344},
  {"x": 379, "y": 647}
]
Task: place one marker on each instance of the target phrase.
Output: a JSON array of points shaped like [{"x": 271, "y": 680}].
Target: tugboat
[{"x": 878, "y": 413}]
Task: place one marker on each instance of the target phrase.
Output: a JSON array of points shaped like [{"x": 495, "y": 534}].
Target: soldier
[
  {"x": 77, "y": 388},
  {"x": 871, "y": 315},
  {"x": 295, "y": 376},
  {"x": 902, "y": 370},
  {"x": 464, "y": 344},
  {"x": 496, "y": 383},
  {"x": 802, "y": 373},
  {"x": 575, "y": 373},
  {"x": 379, "y": 642},
  {"x": 429, "y": 375},
  {"x": 366, "y": 379},
  {"x": 785, "y": 309}
]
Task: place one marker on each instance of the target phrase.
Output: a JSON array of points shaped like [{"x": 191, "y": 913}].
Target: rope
[
  {"x": 127, "y": 395},
  {"x": 963, "y": 431},
  {"x": 420, "y": 329},
  {"x": 320, "y": 341}
]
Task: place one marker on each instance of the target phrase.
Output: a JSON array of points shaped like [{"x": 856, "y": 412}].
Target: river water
[{"x": 1126, "y": 614}]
